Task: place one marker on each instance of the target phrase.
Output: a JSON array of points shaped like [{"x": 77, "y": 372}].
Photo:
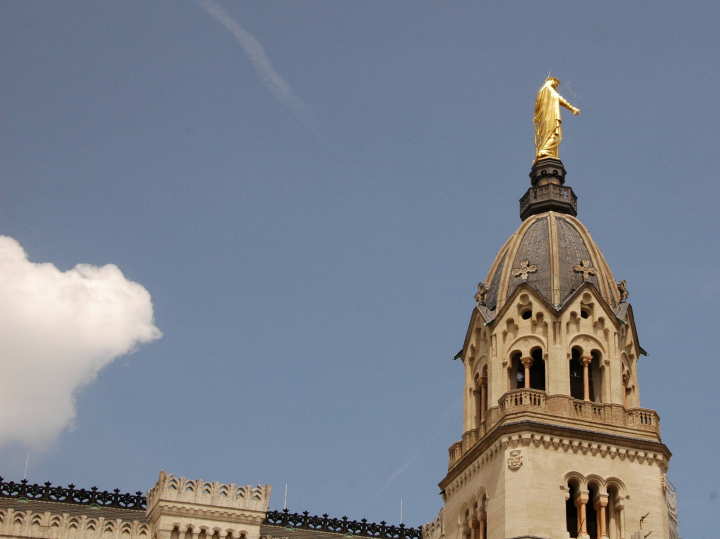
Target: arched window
[
  {"x": 591, "y": 512},
  {"x": 516, "y": 372},
  {"x": 576, "y": 373},
  {"x": 484, "y": 386},
  {"x": 527, "y": 372},
  {"x": 586, "y": 374},
  {"x": 537, "y": 369},
  {"x": 594, "y": 508},
  {"x": 596, "y": 372},
  {"x": 571, "y": 512},
  {"x": 478, "y": 401}
]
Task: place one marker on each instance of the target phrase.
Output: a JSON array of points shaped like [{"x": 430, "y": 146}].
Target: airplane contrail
[{"x": 259, "y": 59}]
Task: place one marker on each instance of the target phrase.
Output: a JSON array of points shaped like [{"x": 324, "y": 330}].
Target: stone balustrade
[
  {"x": 565, "y": 408},
  {"x": 455, "y": 451}
]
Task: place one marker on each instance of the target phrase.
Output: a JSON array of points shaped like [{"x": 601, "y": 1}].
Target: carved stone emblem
[
  {"x": 515, "y": 459},
  {"x": 525, "y": 268},
  {"x": 585, "y": 267}
]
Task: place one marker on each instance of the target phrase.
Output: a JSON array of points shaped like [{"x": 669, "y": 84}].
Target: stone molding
[
  {"x": 549, "y": 437},
  {"x": 237, "y": 516}
]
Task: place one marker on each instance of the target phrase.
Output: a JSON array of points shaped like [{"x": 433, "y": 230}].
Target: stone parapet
[
  {"x": 170, "y": 488},
  {"x": 197, "y": 509},
  {"x": 549, "y": 197},
  {"x": 561, "y": 410}
]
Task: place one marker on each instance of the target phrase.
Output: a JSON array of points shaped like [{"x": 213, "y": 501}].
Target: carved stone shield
[{"x": 515, "y": 459}]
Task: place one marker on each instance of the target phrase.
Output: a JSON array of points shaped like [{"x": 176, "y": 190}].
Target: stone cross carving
[
  {"x": 524, "y": 270},
  {"x": 585, "y": 268}
]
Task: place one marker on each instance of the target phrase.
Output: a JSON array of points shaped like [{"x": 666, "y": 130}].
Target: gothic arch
[
  {"x": 616, "y": 483},
  {"x": 524, "y": 345},
  {"x": 479, "y": 365},
  {"x": 598, "y": 481},
  {"x": 587, "y": 343},
  {"x": 577, "y": 477}
]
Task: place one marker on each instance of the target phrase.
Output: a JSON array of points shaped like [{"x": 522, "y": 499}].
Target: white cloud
[
  {"x": 57, "y": 330},
  {"x": 255, "y": 52}
]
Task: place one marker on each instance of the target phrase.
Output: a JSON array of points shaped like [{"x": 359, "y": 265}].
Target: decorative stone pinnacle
[
  {"x": 585, "y": 268},
  {"x": 481, "y": 294},
  {"x": 524, "y": 269},
  {"x": 623, "y": 289}
]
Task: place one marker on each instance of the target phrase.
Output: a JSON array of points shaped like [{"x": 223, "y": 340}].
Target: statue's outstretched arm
[{"x": 565, "y": 103}]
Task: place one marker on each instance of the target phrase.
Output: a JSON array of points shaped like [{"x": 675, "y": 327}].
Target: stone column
[
  {"x": 468, "y": 400},
  {"x": 473, "y": 411},
  {"x": 620, "y": 517},
  {"x": 474, "y": 529},
  {"x": 191, "y": 532},
  {"x": 484, "y": 400},
  {"x": 586, "y": 377},
  {"x": 483, "y": 525},
  {"x": 602, "y": 503},
  {"x": 581, "y": 501},
  {"x": 527, "y": 363},
  {"x": 480, "y": 411}
]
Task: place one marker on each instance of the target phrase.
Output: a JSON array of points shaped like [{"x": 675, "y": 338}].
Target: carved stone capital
[{"x": 601, "y": 500}]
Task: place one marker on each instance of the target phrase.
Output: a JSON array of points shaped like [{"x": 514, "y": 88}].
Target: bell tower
[{"x": 555, "y": 444}]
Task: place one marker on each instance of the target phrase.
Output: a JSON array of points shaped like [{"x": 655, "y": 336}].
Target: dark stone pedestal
[
  {"x": 547, "y": 170},
  {"x": 547, "y": 191}
]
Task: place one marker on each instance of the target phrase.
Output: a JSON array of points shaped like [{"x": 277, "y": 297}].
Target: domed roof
[{"x": 554, "y": 254}]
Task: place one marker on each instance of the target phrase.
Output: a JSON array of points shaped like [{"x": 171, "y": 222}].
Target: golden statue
[{"x": 548, "y": 122}]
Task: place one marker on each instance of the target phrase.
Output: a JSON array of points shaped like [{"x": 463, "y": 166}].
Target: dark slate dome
[{"x": 553, "y": 253}]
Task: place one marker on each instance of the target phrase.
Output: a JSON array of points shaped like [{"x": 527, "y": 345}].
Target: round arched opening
[
  {"x": 576, "y": 373},
  {"x": 537, "y": 369},
  {"x": 571, "y": 512}
]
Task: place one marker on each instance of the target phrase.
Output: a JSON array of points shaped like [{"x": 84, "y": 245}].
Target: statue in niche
[{"x": 548, "y": 121}]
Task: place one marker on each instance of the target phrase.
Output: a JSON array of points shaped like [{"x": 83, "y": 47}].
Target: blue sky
[{"x": 312, "y": 250}]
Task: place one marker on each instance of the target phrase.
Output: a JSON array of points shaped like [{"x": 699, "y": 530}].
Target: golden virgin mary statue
[{"x": 548, "y": 122}]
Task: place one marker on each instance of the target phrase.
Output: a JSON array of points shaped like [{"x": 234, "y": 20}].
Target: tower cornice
[{"x": 561, "y": 438}]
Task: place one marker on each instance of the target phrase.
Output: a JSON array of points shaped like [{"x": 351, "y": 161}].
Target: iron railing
[
  {"x": 342, "y": 525},
  {"x": 81, "y": 496}
]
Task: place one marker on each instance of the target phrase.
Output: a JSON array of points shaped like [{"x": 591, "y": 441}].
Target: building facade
[{"x": 174, "y": 508}]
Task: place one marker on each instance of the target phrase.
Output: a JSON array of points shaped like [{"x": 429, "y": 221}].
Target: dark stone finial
[{"x": 548, "y": 191}]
